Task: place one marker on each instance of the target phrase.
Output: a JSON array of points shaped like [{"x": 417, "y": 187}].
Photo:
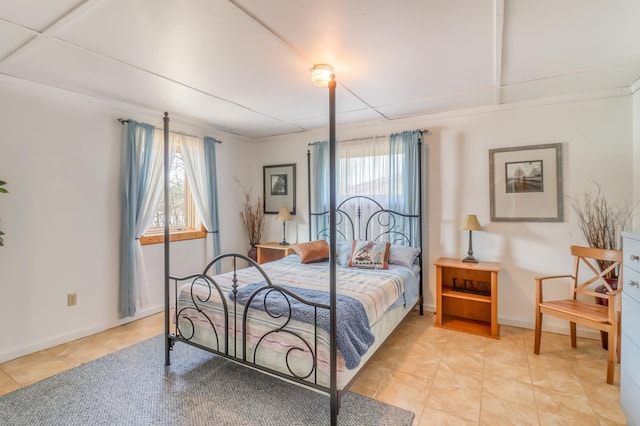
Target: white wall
[
  {"x": 60, "y": 156},
  {"x": 597, "y": 143}
]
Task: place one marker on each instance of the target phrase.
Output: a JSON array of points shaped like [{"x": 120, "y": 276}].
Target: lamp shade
[
  {"x": 471, "y": 223},
  {"x": 321, "y": 74},
  {"x": 283, "y": 214}
]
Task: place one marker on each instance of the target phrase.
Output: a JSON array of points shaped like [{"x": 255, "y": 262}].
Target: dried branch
[
  {"x": 601, "y": 223},
  {"x": 252, "y": 216}
]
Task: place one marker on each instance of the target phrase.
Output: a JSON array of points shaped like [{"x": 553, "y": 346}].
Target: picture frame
[
  {"x": 526, "y": 184},
  {"x": 279, "y": 188}
]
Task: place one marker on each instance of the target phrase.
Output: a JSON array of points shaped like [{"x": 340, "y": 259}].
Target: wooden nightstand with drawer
[{"x": 268, "y": 252}]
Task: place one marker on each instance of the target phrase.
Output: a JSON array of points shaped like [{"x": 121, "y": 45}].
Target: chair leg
[
  {"x": 605, "y": 339},
  {"x": 611, "y": 362},
  {"x": 572, "y": 326},
  {"x": 618, "y": 338},
  {"x": 536, "y": 344}
]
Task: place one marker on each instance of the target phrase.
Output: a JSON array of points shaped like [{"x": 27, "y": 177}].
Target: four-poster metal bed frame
[{"x": 233, "y": 310}]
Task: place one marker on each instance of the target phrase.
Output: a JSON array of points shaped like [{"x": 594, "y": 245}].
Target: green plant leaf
[{"x": 3, "y": 191}]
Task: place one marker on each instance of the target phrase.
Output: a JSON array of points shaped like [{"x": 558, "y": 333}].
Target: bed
[{"x": 313, "y": 321}]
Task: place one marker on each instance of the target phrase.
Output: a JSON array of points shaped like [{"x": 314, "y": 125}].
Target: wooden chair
[{"x": 585, "y": 311}]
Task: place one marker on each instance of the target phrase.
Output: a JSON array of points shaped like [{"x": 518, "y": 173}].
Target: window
[{"x": 184, "y": 223}]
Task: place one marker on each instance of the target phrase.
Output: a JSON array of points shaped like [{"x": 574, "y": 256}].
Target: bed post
[
  {"x": 421, "y": 297},
  {"x": 309, "y": 189},
  {"x": 167, "y": 342},
  {"x": 333, "y": 385}
]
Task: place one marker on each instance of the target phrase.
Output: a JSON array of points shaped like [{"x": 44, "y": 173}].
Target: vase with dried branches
[
  {"x": 252, "y": 217},
  {"x": 601, "y": 222}
]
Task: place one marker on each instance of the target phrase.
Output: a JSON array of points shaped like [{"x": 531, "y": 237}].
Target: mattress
[{"x": 283, "y": 344}]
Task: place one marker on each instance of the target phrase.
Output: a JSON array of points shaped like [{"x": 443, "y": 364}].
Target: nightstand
[
  {"x": 467, "y": 296},
  {"x": 268, "y": 252}
]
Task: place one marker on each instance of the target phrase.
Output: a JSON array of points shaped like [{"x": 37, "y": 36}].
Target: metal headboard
[{"x": 361, "y": 217}]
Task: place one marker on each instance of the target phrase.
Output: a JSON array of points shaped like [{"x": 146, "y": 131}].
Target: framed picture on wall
[
  {"x": 525, "y": 183},
  {"x": 279, "y": 183}
]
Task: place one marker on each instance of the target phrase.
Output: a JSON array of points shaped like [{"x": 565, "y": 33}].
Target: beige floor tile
[
  {"x": 420, "y": 360},
  {"x": 81, "y": 351},
  {"x": 601, "y": 390},
  {"x": 35, "y": 367},
  {"x": 370, "y": 380},
  {"x": 499, "y": 412},
  {"x": 456, "y": 401},
  {"x": 514, "y": 370},
  {"x": 458, "y": 375},
  {"x": 572, "y": 404},
  {"x": 405, "y": 391},
  {"x": 431, "y": 417},
  {"x": 510, "y": 390},
  {"x": 552, "y": 419},
  {"x": 7, "y": 384},
  {"x": 608, "y": 411},
  {"x": 118, "y": 338}
]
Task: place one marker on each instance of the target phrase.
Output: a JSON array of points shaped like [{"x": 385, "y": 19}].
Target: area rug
[{"x": 133, "y": 387}]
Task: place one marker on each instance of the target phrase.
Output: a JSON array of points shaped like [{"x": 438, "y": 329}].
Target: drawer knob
[
  {"x": 635, "y": 257},
  {"x": 634, "y": 283}
]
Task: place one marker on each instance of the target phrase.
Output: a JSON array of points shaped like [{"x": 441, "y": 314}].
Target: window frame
[{"x": 179, "y": 233}]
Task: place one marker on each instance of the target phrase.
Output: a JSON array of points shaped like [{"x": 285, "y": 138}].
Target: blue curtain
[
  {"x": 212, "y": 189},
  {"x": 403, "y": 185},
  {"x": 136, "y": 161},
  {"x": 320, "y": 190},
  {"x": 405, "y": 194}
]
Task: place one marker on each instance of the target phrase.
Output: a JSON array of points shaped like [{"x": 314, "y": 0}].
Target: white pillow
[
  {"x": 343, "y": 249},
  {"x": 403, "y": 255}
]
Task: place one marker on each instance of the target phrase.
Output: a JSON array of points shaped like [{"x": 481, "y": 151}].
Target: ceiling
[{"x": 243, "y": 66}]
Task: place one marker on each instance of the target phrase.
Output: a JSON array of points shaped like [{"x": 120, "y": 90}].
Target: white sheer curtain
[
  {"x": 193, "y": 153},
  {"x": 149, "y": 207},
  {"x": 363, "y": 169}
]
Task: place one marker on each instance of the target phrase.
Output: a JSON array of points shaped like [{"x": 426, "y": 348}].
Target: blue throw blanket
[{"x": 353, "y": 334}]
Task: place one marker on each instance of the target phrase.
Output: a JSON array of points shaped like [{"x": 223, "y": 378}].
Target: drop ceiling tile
[
  {"x": 61, "y": 65},
  {"x": 549, "y": 38},
  {"x": 12, "y": 37},
  {"x": 477, "y": 98},
  {"x": 37, "y": 14},
  {"x": 573, "y": 84}
]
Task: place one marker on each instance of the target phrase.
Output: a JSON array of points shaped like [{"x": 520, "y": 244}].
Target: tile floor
[{"x": 445, "y": 377}]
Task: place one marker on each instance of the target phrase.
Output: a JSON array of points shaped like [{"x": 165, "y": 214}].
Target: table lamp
[
  {"x": 284, "y": 216},
  {"x": 471, "y": 224}
]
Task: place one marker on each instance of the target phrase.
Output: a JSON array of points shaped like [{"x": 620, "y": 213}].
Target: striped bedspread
[{"x": 376, "y": 290}]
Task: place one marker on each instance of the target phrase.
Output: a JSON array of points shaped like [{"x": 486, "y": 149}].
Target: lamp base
[
  {"x": 284, "y": 243},
  {"x": 471, "y": 259}
]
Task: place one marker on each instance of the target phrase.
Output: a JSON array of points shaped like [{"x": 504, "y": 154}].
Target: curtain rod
[
  {"x": 423, "y": 131},
  {"x": 126, "y": 120}
]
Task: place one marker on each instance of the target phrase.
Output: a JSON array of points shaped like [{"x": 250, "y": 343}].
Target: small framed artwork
[
  {"x": 279, "y": 188},
  {"x": 525, "y": 183}
]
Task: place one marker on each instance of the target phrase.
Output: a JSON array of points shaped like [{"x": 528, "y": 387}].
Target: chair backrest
[{"x": 602, "y": 263}]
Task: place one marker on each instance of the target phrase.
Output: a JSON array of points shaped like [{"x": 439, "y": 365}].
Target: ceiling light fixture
[{"x": 321, "y": 74}]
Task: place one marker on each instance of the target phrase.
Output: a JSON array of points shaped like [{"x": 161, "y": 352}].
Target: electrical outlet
[{"x": 72, "y": 299}]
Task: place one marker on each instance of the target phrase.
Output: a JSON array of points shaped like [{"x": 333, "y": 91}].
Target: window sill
[{"x": 189, "y": 234}]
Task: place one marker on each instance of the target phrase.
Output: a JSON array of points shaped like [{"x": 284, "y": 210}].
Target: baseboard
[{"x": 75, "y": 334}]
